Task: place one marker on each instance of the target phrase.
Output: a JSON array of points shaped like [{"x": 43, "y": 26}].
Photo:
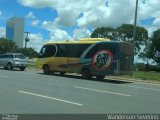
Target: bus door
[{"x": 47, "y": 57}]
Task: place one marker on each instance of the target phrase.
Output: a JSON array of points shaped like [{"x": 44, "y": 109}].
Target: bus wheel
[
  {"x": 46, "y": 69},
  {"x": 62, "y": 73},
  {"x": 100, "y": 77},
  {"x": 86, "y": 74},
  {"x": 22, "y": 68}
]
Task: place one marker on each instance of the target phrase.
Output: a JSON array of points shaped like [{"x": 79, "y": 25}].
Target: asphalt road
[{"x": 33, "y": 92}]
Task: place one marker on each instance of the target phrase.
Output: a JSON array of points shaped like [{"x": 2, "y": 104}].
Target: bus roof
[{"x": 81, "y": 41}]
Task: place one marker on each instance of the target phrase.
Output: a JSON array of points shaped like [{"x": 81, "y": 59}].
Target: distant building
[{"x": 15, "y": 30}]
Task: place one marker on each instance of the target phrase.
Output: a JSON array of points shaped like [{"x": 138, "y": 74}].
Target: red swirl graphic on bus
[{"x": 102, "y": 60}]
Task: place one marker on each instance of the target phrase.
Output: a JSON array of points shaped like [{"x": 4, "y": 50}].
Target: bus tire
[
  {"x": 62, "y": 73},
  {"x": 86, "y": 74},
  {"x": 22, "y": 68},
  {"x": 100, "y": 77},
  {"x": 46, "y": 69}
]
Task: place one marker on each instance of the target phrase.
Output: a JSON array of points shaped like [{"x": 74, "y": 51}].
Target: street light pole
[
  {"x": 135, "y": 23},
  {"x": 26, "y": 39}
]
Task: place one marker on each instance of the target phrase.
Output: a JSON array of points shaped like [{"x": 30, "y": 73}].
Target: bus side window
[
  {"x": 92, "y": 51},
  {"x": 71, "y": 50},
  {"x": 61, "y": 50},
  {"x": 76, "y": 50}
]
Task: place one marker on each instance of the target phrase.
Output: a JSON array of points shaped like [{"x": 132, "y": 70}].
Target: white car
[{"x": 13, "y": 60}]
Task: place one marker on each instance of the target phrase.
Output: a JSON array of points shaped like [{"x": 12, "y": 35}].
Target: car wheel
[
  {"x": 46, "y": 69},
  {"x": 86, "y": 74},
  {"x": 22, "y": 68},
  {"x": 100, "y": 77},
  {"x": 9, "y": 66},
  {"x": 5, "y": 68}
]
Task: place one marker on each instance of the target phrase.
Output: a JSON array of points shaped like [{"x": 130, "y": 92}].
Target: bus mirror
[{"x": 40, "y": 55}]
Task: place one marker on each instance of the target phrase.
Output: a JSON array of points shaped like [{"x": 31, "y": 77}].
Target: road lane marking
[
  {"x": 3, "y": 76},
  {"x": 96, "y": 90},
  {"x": 142, "y": 88},
  {"x": 52, "y": 98}
]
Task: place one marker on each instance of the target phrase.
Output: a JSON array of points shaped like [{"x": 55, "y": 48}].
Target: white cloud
[
  {"x": 59, "y": 35},
  {"x": 151, "y": 30},
  {"x": 99, "y": 15},
  {"x": 95, "y": 13},
  {"x": 2, "y": 32},
  {"x": 49, "y": 25},
  {"x": 81, "y": 33},
  {"x": 156, "y": 22},
  {"x": 35, "y": 22},
  {"x": 148, "y": 9},
  {"x": 30, "y": 15},
  {"x": 67, "y": 16},
  {"x": 0, "y": 13},
  {"x": 36, "y": 41},
  {"x": 56, "y": 34},
  {"x": 38, "y": 3}
]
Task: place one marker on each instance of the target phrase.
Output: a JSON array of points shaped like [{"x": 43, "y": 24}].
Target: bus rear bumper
[{"x": 119, "y": 72}]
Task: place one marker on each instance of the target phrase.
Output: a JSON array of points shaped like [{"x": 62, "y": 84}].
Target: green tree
[
  {"x": 147, "y": 53},
  {"x": 155, "y": 45},
  {"x": 126, "y": 34},
  {"x": 104, "y": 32},
  {"x": 123, "y": 33},
  {"x": 29, "y": 52},
  {"x": 7, "y": 45}
]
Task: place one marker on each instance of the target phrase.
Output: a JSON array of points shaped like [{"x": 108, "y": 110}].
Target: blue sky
[
  {"x": 148, "y": 21},
  {"x": 12, "y": 8},
  {"x": 50, "y": 20}
]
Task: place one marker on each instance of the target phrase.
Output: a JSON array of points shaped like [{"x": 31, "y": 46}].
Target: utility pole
[
  {"x": 26, "y": 39},
  {"x": 135, "y": 23}
]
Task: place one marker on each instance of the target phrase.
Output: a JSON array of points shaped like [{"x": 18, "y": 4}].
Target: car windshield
[{"x": 20, "y": 56}]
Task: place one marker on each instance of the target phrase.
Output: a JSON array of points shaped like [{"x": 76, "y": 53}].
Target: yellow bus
[{"x": 89, "y": 57}]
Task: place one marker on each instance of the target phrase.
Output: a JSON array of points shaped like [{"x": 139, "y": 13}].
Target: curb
[{"x": 133, "y": 80}]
